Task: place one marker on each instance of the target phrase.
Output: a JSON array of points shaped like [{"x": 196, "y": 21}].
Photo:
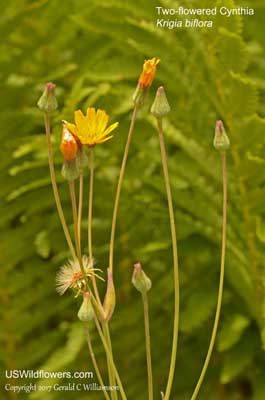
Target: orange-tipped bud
[
  {"x": 69, "y": 146},
  {"x": 145, "y": 81},
  {"x": 148, "y": 73}
]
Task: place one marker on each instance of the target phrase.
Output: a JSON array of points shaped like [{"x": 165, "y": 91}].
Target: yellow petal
[
  {"x": 102, "y": 121},
  {"x": 79, "y": 119},
  {"x": 85, "y": 139},
  {"x": 91, "y": 120},
  {"x": 104, "y": 139},
  {"x": 111, "y": 128}
]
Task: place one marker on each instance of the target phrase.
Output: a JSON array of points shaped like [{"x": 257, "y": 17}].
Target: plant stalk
[
  {"x": 90, "y": 209},
  {"x": 175, "y": 261},
  {"x": 90, "y": 204},
  {"x": 221, "y": 282},
  {"x": 110, "y": 359},
  {"x": 119, "y": 186},
  {"x": 54, "y": 185},
  {"x": 94, "y": 361},
  {"x": 100, "y": 312},
  {"x": 75, "y": 220},
  {"x": 148, "y": 346},
  {"x": 107, "y": 350},
  {"x": 115, "y": 209},
  {"x": 80, "y": 206},
  {"x": 90, "y": 253}
]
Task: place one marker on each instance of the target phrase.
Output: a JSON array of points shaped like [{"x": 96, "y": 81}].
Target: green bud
[
  {"x": 70, "y": 170},
  {"x": 221, "y": 140},
  {"x": 140, "y": 95},
  {"x": 140, "y": 280},
  {"x": 48, "y": 101},
  {"x": 110, "y": 298},
  {"x": 160, "y": 107},
  {"x": 86, "y": 311}
]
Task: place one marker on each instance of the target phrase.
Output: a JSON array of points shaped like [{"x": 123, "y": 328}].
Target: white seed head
[{"x": 70, "y": 275}]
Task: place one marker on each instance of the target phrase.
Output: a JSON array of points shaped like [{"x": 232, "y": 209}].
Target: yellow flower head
[
  {"x": 91, "y": 129},
  {"x": 148, "y": 73}
]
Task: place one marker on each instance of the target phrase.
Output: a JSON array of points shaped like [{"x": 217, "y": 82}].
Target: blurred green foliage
[{"x": 94, "y": 51}]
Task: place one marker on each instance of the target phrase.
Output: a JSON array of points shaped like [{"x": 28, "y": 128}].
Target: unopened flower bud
[
  {"x": 86, "y": 311},
  {"x": 69, "y": 148},
  {"x": 110, "y": 298},
  {"x": 145, "y": 81},
  {"x": 160, "y": 106},
  {"x": 221, "y": 140},
  {"x": 140, "y": 280},
  {"x": 48, "y": 101},
  {"x": 148, "y": 73}
]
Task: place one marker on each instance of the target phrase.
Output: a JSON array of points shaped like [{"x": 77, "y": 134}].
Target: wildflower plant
[{"x": 79, "y": 274}]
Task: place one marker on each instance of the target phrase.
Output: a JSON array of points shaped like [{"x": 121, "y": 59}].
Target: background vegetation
[{"x": 94, "y": 51}]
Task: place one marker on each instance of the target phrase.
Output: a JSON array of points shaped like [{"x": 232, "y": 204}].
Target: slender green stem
[
  {"x": 148, "y": 346},
  {"x": 75, "y": 219},
  {"x": 80, "y": 206},
  {"x": 221, "y": 282},
  {"x": 110, "y": 359},
  {"x": 115, "y": 210},
  {"x": 90, "y": 209},
  {"x": 107, "y": 350},
  {"x": 115, "y": 213},
  {"x": 175, "y": 261},
  {"x": 94, "y": 361},
  {"x": 54, "y": 185},
  {"x": 90, "y": 204},
  {"x": 100, "y": 312},
  {"x": 90, "y": 253},
  {"x": 118, "y": 191}
]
